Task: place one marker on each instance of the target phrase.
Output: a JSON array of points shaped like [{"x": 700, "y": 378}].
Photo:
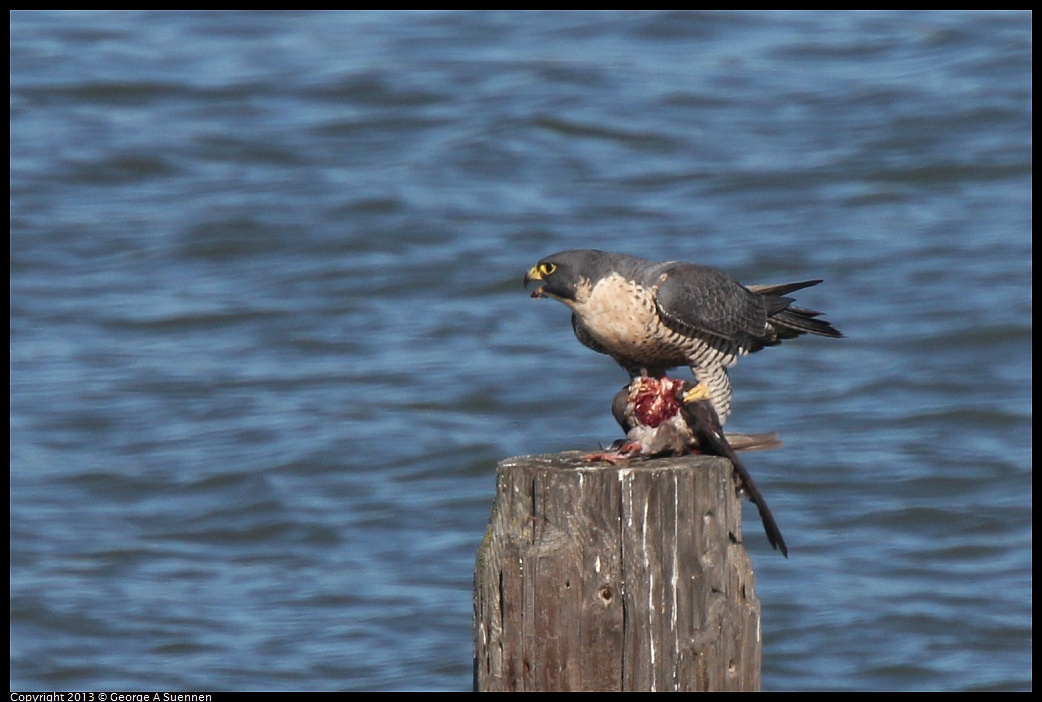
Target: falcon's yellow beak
[{"x": 533, "y": 274}]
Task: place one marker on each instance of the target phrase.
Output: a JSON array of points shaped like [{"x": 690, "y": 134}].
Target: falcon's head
[{"x": 569, "y": 276}]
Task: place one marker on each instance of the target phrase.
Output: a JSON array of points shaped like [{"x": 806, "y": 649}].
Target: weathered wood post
[{"x": 615, "y": 578}]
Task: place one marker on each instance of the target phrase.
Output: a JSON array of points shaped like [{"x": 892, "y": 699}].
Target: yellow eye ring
[{"x": 547, "y": 268}]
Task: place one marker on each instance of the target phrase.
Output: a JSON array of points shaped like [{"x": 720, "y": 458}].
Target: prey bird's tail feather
[{"x": 753, "y": 442}]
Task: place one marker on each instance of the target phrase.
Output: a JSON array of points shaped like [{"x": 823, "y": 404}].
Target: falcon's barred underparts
[{"x": 651, "y": 317}]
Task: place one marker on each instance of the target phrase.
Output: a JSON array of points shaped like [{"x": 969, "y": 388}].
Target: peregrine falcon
[{"x": 651, "y": 317}]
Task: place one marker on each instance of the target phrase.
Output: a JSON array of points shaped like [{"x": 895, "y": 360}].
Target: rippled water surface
[{"x": 268, "y": 336}]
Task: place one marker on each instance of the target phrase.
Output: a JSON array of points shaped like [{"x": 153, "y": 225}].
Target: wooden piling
[{"x": 615, "y": 578}]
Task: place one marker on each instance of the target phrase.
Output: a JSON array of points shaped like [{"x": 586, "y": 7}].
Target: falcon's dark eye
[{"x": 547, "y": 268}]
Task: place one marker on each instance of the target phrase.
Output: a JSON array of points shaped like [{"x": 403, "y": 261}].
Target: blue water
[{"x": 269, "y": 340}]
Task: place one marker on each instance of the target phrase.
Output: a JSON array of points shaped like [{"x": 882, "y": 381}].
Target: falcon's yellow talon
[{"x": 699, "y": 392}]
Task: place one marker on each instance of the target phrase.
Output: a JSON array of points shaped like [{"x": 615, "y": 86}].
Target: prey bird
[{"x": 671, "y": 417}]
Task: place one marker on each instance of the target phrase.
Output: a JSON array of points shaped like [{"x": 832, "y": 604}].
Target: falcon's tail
[
  {"x": 782, "y": 289},
  {"x": 793, "y": 321},
  {"x": 790, "y": 321}
]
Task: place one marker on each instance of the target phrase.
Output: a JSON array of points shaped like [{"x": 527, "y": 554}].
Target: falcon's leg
[{"x": 714, "y": 377}]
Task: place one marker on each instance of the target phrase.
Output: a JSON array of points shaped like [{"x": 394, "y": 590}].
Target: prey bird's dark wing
[{"x": 704, "y": 423}]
